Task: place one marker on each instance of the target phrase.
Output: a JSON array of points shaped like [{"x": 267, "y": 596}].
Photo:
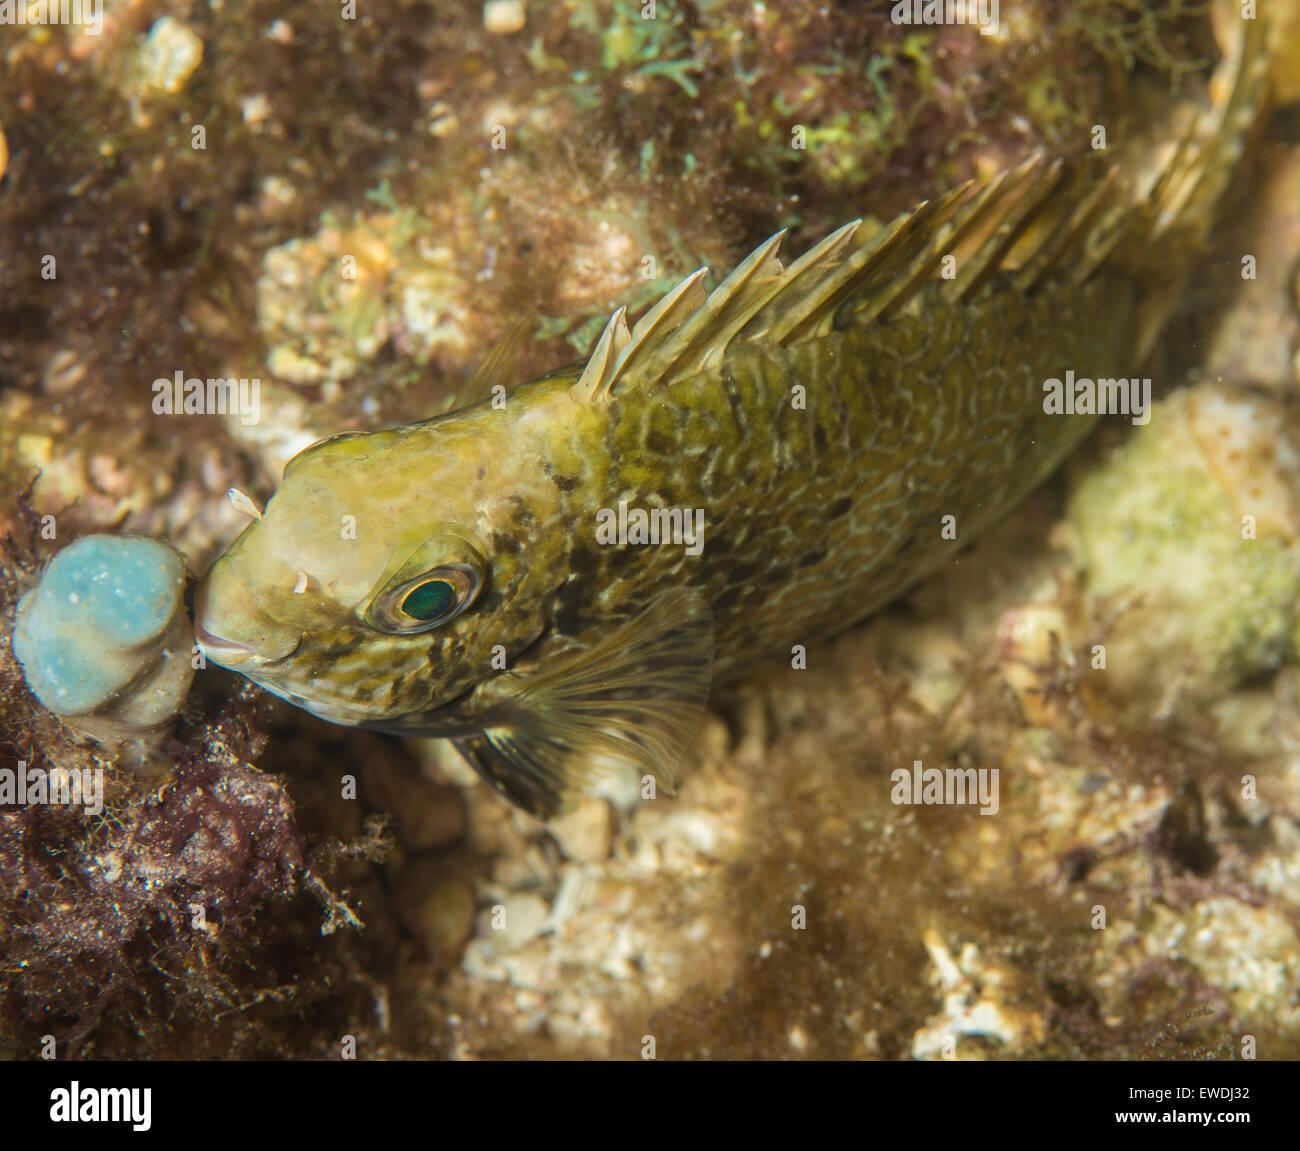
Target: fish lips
[
  {"x": 235, "y": 655},
  {"x": 241, "y": 637}
]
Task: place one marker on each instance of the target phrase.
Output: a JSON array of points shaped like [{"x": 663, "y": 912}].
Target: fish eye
[{"x": 432, "y": 598}]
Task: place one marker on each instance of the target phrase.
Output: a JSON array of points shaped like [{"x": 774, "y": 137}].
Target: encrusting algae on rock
[
  {"x": 839, "y": 425},
  {"x": 1189, "y": 542}
]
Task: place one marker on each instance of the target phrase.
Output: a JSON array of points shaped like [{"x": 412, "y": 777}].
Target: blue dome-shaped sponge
[{"x": 96, "y": 620}]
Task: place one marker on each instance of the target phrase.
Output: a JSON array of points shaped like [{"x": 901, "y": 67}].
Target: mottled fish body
[{"x": 804, "y": 431}]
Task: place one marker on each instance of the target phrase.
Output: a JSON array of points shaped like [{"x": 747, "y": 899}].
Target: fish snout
[{"x": 232, "y": 629}]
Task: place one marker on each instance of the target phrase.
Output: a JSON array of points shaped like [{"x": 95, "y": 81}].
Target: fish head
[{"x": 383, "y": 580}]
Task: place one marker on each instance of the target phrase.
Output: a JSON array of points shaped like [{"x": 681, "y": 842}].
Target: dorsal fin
[
  {"x": 806, "y": 305},
  {"x": 598, "y": 376},
  {"x": 1035, "y": 222},
  {"x": 1029, "y": 187},
  {"x": 802, "y": 277},
  {"x": 1082, "y": 202},
  {"x": 598, "y": 379},
  {"x": 725, "y": 310}
]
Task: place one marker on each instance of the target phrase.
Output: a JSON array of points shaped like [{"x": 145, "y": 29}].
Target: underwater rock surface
[{"x": 1190, "y": 536}]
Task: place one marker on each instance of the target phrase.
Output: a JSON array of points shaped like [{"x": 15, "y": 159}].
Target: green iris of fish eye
[{"x": 429, "y": 600}]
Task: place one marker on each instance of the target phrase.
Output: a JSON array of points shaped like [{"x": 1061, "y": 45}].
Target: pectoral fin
[{"x": 633, "y": 700}]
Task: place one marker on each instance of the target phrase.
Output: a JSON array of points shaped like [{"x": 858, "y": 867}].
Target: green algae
[{"x": 1160, "y": 541}]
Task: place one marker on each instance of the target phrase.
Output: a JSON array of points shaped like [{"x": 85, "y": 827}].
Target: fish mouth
[
  {"x": 232, "y": 629},
  {"x": 230, "y": 653}
]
